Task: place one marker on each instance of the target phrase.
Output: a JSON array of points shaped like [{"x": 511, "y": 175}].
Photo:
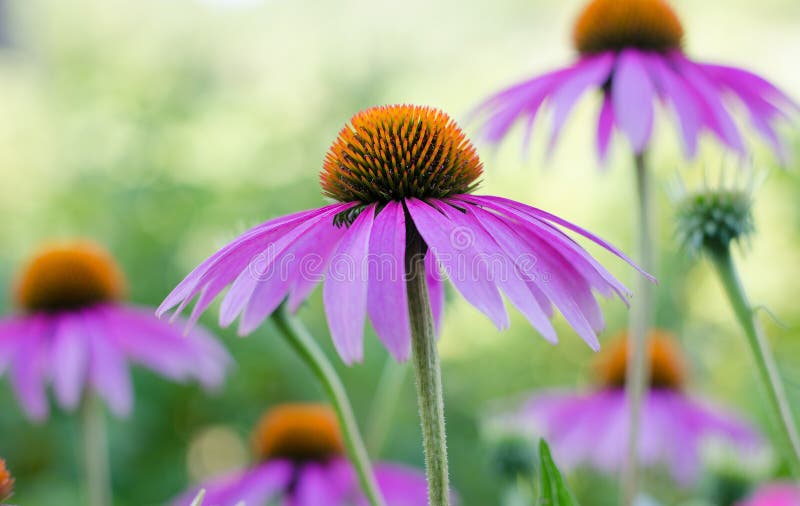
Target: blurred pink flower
[
  {"x": 301, "y": 463},
  {"x": 77, "y": 334},
  {"x": 775, "y": 494},
  {"x": 592, "y": 428},
  {"x": 631, "y": 51},
  {"x": 401, "y": 175}
]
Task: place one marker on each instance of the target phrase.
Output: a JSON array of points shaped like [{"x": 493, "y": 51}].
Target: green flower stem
[
  {"x": 384, "y": 401},
  {"x": 95, "y": 452},
  {"x": 429, "y": 375},
  {"x": 762, "y": 354},
  {"x": 308, "y": 349},
  {"x": 641, "y": 321}
]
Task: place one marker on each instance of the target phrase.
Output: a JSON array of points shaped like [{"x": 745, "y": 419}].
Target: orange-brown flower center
[
  {"x": 69, "y": 276},
  {"x": 399, "y": 151},
  {"x": 298, "y": 432},
  {"x": 6, "y": 482},
  {"x": 612, "y": 25},
  {"x": 666, "y": 362}
]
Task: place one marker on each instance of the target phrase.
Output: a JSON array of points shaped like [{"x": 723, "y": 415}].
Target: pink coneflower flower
[
  {"x": 774, "y": 494},
  {"x": 76, "y": 333},
  {"x": 632, "y": 52},
  {"x": 403, "y": 175},
  {"x": 301, "y": 463},
  {"x": 591, "y": 428}
]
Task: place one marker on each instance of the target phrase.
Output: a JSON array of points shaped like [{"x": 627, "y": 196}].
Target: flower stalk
[
  {"x": 428, "y": 373},
  {"x": 640, "y": 323},
  {"x": 762, "y": 354},
  {"x": 309, "y": 351},
  {"x": 95, "y": 452}
]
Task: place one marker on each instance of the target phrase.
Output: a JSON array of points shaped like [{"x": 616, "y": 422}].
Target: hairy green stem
[
  {"x": 428, "y": 374},
  {"x": 384, "y": 401},
  {"x": 641, "y": 320},
  {"x": 95, "y": 452},
  {"x": 765, "y": 361},
  {"x": 309, "y": 351}
]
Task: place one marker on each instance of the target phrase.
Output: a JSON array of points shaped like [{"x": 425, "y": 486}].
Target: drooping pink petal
[
  {"x": 29, "y": 367},
  {"x": 276, "y": 269},
  {"x": 509, "y": 105},
  {"x": 516, "y": 280},
  {"x": 716, "y": 116},
  {"x": 742, "y": 79},
  {"x": 259, "y": 485},
  {"x": 678, "y": 93},
  {"x": 314, "y": 487},
  {"x": 756, "y": 98},
  {"x": 108, "y": 370},
  {"x": 593, "y": 429},
  {"x": 219, "y": 270},
  {"x": 387, "y": 296},
  {"x": 546, "y": 216},
  {"x": 454, "y": 249},
  {"x": 345, "y": 288},
  {"x": 69, "y": 360},
  {"x": 591, "y": 72},
  {"x": 605, "y": 127},
  {"x": 160, "y": 347},
  {"x": 212, "y": 265},
  {"x": 633, "y": 95}
]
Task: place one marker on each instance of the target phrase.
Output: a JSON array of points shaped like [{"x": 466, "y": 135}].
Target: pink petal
[
  {"x": 682, "y": 97},
  {"x": 590, "y": 72},
  {"x": 29, "y": 366},
  {"x": 108, "y": 371},
  {"x": 69, "y": 360},
  {"x": 605, "y": 127},
  {"x": 387, "y": 301},
  {"x": 345, "y": 288},
  {"x": 454, "y": 249},
  {"x": 633, "y": 94}
]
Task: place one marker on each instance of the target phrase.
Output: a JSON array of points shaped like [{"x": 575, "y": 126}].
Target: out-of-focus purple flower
[
  {"x": 774, "y": 494},
  {"x": 301, "y": 463},
  {"x": 76, "y": 333},
  {"x": 404, "y": 175},
  {"x": 592, "y": 428},
  {"x": 631, "y": 51}
]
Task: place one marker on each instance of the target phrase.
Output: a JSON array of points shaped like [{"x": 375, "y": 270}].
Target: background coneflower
[
  {"x": 300, "y": 461},
  {"x": 591, "y": 428},
  {"x": 75, "y": 331},
  {"x": 403, "y": 178}
]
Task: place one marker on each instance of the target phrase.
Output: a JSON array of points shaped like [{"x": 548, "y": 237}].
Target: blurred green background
[{"x": 162, "y": 128}]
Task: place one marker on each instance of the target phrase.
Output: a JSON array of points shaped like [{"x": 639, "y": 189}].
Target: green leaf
[{"x": 552, "y": 490}]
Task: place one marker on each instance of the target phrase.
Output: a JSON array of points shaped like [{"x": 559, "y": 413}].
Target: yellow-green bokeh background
[{"x": 162, "y": 128}]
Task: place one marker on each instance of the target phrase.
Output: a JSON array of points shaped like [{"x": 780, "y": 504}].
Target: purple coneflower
[
  {"x": 301, "y": 463},
  {"x": 632, "y": 51},
  {"x": 403, "y": 178},
  {"x": 75, "y": 332},
  {"x": 591, "y": 428},
  {"x": 774, "y": 494},
  {"x": 404, "y": 174}
]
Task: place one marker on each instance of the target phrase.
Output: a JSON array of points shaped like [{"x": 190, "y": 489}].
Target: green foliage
[{"x": 552, "y": 489}]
